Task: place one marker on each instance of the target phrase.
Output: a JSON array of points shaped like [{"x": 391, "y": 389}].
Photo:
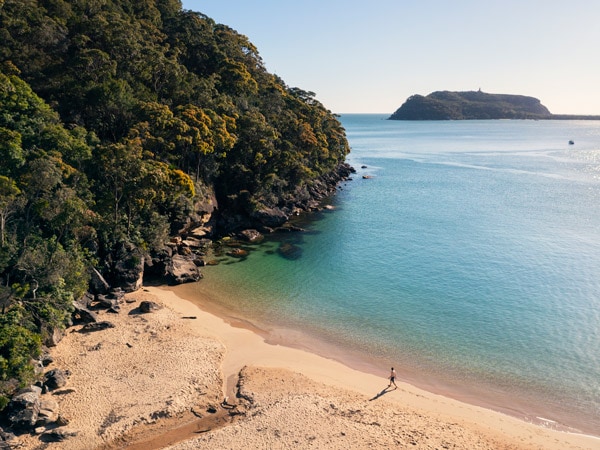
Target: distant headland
[{"x": 477, "y": 105}]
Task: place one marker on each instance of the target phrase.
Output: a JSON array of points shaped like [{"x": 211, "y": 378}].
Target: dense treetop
[{"x": 116, "y": 118}]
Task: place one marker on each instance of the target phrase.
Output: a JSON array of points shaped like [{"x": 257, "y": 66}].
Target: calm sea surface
[{"x": 470, "y": 260}]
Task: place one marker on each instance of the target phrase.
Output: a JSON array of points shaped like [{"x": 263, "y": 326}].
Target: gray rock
[
  {"x": 96, "y": 326},
  {"x": 270, "y": 217},
  {"x": 128, "y": 268},
  {"x": 81, "y": 314},
  {"x": 105, "y": 301},
  {"x": 24, "y": 408},
  {"x": 54, "y": 336},
  {"x": 8, "y": 440},
  {"x": 183, "y": 270},
  {"x": 55, "y": 379},
  {"x": 48, "y": 412},
  {"x": 58, "y": 435},
  {"x": 147, "y": 306},
  {"x": 251, "y": 236},
  {"x": 46, "y": 359},
  {"x": 98, "y": 284}
]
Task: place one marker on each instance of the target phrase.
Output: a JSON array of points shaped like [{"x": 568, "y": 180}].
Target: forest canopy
[{"x": 117, "y": 118}]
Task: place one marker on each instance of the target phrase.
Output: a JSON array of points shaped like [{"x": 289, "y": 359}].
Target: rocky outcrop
[
  {"x": 183, "y": 270},
  {"x": 82, "y": 314},
  {"x": 8, "y": 440},
  {"x": 252, "y": 236},
  {"x": 30, "y": 411},
  {"x": 24, "y": 408},
  {"x": 127, "y": 267},
  {"x": 48, "y": 412},
  {"x": 53, "y": 336},
  {"x": 269, "y": 217},
  {"x": 179, "y": 260},
  {"x": 98, "y": 285}
]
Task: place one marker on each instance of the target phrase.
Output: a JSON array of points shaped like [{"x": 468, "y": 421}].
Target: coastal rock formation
[
  {"x": 8, "y": 440},
  {"x": 237, "y": 253},
  {"x": 48, "y": 412},
  {"x": 24, "y": 408},
  {"x": 252, "y": 236},
  {"x": 55, "y": 379},
  {"x": 82, "y": 314},
  {"x": 183, "y": 270},
  {"x": 98, "y": 285},
  {"x": 148, "y": 306},
  {"x": 447, "y": 105},
  {"x": 289, "y": 250},
  {"x": 127, "y": 268}
]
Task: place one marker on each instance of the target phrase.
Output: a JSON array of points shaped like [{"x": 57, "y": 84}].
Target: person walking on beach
[{"x": 393, "y": 379}]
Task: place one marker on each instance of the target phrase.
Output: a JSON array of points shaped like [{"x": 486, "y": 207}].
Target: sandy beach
[{"x": 180, "y": 378}]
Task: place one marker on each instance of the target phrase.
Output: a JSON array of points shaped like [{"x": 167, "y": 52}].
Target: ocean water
[{"x": 469, "y": 259}]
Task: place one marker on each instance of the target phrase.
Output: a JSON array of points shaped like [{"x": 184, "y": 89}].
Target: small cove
[{"x": 468, "y": 260}]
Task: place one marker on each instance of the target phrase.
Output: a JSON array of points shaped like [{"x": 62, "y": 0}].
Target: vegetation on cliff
[
  {"x": 446, "y": 105},
  {"x": 117, "y": 118}
]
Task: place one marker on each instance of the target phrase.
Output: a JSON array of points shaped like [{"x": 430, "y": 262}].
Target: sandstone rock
[
  {"x": 237, "y": 252},
  {"x": 147, "y": 306},
  {"x": 183, "y": 270},
  {"x": 106, "y": 302},
  {"x": 53, "y": 337},
  {"x": 270, "y": 217},
  {"x": 195, "y": 243},
  {"x": 251, "y": 235},
  {"x": 201, "y": 232},
  {"x": 24, "y": 408},
  {"x": 62, "y": 421},
  {"x": 81, "y": 314},
  {"x": 48, "y": 412},
  {"x": 46, "y": 359}
]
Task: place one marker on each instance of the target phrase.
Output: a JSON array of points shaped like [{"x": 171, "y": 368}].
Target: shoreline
[
  {"x": 165, "y": 380},
  {"x": 247, "y": 346},
  {"x": 480, "y": 395}
]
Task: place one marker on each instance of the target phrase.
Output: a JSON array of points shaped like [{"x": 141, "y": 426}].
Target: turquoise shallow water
[{"x": 469, "y": 259}]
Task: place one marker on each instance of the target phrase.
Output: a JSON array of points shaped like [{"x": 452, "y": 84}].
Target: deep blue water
[{"x": 470, "y": 259}]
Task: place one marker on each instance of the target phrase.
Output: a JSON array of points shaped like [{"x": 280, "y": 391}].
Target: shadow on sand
[{"x": 385, "y": 391}]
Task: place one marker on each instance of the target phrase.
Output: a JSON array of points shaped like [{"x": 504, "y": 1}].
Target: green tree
[{"x": 10, "y": 199}]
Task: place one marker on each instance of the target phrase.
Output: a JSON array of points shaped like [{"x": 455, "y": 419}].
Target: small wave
[{"x": 505, "y": 170}]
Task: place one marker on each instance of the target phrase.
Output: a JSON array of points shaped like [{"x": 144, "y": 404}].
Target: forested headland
[
  {"x": 477, "y": 105},
  {"x": 124, "y": 123}
]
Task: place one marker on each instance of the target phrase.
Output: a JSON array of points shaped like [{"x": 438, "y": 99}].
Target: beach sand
[{"x": 159, "y": 380}]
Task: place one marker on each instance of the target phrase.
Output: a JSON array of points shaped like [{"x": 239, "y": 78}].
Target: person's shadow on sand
[{"x": 385, "y": 391}]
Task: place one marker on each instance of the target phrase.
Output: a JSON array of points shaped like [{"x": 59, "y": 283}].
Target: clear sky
[{"x": 371, "y": 55}]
